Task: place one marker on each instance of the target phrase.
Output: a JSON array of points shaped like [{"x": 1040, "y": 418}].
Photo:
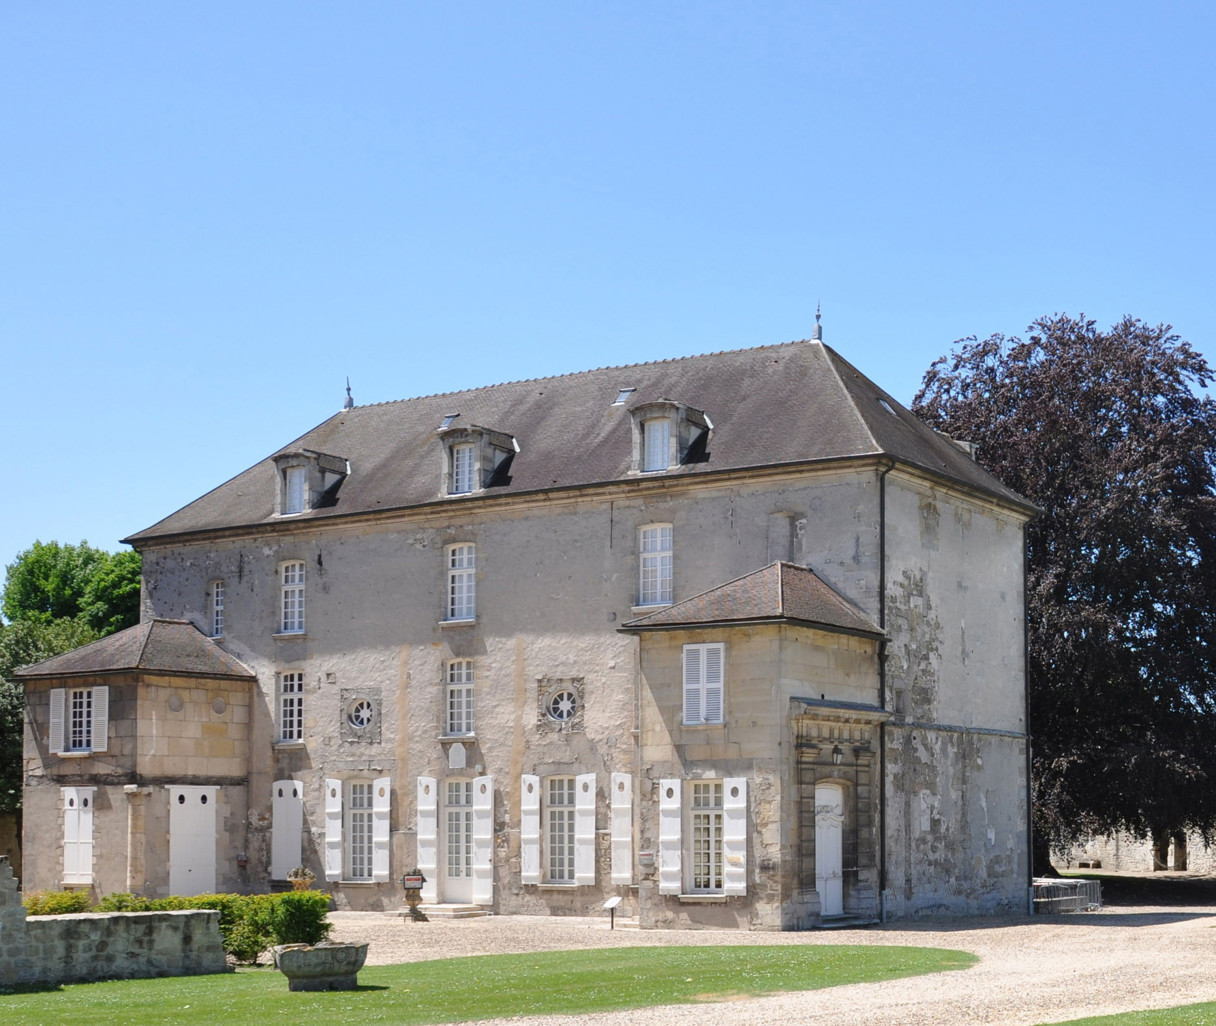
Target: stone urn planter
[{"x": 324, "y": 967}]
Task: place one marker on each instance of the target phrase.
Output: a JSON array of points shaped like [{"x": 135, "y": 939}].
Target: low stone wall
[
  {"x": 103, "y": 946},
  {"x": 1124, "y": 853}
]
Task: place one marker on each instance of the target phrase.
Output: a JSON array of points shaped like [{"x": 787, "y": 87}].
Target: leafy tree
[
  {"x": 1106, "y": 432},
  {"x": 50, "y": 581},
  {"x": 22, "y": 643}
]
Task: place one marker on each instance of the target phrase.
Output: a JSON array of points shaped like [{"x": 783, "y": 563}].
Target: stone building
[{"x": 734, "y": 637}]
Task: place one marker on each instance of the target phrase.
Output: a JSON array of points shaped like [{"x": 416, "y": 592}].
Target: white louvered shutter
[
  {"x": 333, "y": 829},
  {"x": 483, "y": 841},
  {"x": 78, "y": 835},
  {"x": 734, "y": 835},
  {"x": 382, "y": 799},
  {"x": 286, "y": 827},
  {"x": 58, "y": 703},
  {"x": 584, "y": 829},
  {"x": 529, "y": 829},
  {"x": 670, "y": 873},
  {"x": 101, "y": 719},
  {"x": 712, "y": 683},
  {"x": 692, "y": 683},
  {"x": 622, "y": 828},
  {"x": 428, "y": 837}
]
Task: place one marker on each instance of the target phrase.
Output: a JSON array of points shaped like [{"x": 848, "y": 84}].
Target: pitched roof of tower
[
  {"x": 173, "y": 647},
  {"x": 787, "y": 404},
  {"x": 778, "y": 593}
]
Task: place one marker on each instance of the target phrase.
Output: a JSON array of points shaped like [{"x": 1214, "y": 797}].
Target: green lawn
[
  {"x": 487, "y": 986},
  {"x": 1183, "y": 1015}
]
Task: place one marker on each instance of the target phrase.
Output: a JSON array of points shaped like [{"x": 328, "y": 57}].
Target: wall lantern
[{"x": 837, "y": 755}]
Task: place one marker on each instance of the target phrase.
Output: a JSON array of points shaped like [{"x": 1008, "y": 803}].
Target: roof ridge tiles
[{"x": 580, "y": 373}]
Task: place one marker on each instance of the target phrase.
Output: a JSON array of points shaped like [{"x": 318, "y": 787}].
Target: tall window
[
  {"x": 216, "y": 603},
  {"x": 293, "y": 598},
  {"x": 461, "y": 591},
  {"x": 707, "y": 835},
  {"x": 654, "y": 585},
  {"x": 656, "y": 444},
  {"x": 462, "y": 469},
  {"x": 80, "y": 719},
  {"x": 703, "y": 683},
  {"x": 359, "y": 830},
  {"x": 559, "y": 829},
  {"x": 291, "y": 707},
  {"x": 294, "y": 481},
  {"x": 460, "y": 696},
  {"x": 459, "y": 838}
]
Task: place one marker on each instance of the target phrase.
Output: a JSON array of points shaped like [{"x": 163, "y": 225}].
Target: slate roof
[
  {"x": 173, "y": 647},
  {"x": 778, "y": 593},
  {"x": 772, "y": 405}
]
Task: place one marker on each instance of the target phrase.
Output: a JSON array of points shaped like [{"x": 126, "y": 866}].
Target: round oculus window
[
  {"x": 562, "y": 706},
  {"x": 360, "y": 715}
]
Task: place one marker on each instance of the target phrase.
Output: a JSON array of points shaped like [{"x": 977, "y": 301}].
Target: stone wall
[
  {"x": 103, "y": 946},
  {"x": 1127, "y": 854}
]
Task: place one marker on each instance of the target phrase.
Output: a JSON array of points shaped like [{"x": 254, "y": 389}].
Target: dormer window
[
  {"x": 475, "y": 458},
  {"x": 307, "y": 480},
  {"x": 667, "y": 434}
]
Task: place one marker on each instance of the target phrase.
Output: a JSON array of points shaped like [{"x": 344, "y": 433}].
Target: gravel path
[{"x": 1046, "y": 969}]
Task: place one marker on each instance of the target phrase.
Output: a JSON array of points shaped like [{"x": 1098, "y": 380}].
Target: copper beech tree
[{"x": 1111, "y": 435}]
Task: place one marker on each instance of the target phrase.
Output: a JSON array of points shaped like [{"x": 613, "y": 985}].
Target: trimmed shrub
[
  {"x": 56, "y": 903},
  {"x": 299, "y": 918}
]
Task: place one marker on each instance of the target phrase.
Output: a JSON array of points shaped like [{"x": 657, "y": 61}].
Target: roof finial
[
  {"x": 818, "y": 335},
  {"x": 349, "y": 401}
]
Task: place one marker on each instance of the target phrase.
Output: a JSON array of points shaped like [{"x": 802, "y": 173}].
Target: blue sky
[{"x": 213, "y": 213}]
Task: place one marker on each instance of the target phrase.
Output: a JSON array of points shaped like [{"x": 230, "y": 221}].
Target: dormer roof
[{"x": 782, "y": 405}]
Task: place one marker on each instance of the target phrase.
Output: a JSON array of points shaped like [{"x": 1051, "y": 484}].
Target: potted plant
[{"x": 301, "y": 878}]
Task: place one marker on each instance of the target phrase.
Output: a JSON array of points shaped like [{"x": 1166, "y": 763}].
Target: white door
[
  {"x": 191, "y": 839},
  {"x": 458, "y": 842},
  {"x": 829, "y": 848}
]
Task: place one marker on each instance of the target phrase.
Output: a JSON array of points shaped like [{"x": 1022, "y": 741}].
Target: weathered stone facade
[{"x": 897, "y": 704}]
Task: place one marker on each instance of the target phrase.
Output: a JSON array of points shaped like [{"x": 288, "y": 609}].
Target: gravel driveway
[{"x": 1046, "y": 969}]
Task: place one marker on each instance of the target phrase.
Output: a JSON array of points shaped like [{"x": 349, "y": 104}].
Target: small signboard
[{"x": 412, "y": 882}]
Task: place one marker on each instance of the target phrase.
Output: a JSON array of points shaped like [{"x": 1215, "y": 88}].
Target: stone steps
[{"x": 452, "y": 911}]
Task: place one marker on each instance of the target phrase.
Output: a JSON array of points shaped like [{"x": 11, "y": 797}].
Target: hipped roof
[
  {"x": 778, "y": 593},
  {"x": 772, "y": 405},
  {"x": 171, "y": 647}
]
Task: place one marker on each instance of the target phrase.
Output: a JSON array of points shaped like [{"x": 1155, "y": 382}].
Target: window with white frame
[
  {"x": 295, "y": 485},
  {"x": 559, "y": 829},
  {"x": 463, "y": 466},
  {"x": 79, "y": 720},
  {"x": 706, "y": 829},
  {"x": 460, "y": 697},
  {"x": 654, "y": 571},
  {"x": 358, "y": 830},
  {"x": 461, "y": 582},
  {"x": 703, "y": 683},
  {"x": 292, "y": 603},
  {"x": 458, "y": 840},
  {"x": 215, "y": 604},
  {"x": 291, "y": 706},
  {"x": 656, "y": 444}
]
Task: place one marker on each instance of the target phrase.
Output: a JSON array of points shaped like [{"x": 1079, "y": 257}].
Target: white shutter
[
  {"x": 101, "y": 719},
  {"x": 692, "y": 683},
  {"x": 584, "y": 829},
  {"x": 382, "y": 797},
  {"x": 77, "y": 835},
  {"x": 622, "y": 828},
  {"x": 734, "y": 835},
  {"x": 333, "y": 829},
  {"x": 670, "y": 874},
  {"x": 428, "y": 837},
  {"x": 58, "y": 701},
  {"x": 529, "y": 829},
  {"x": 286, "y": 827},
  {"x": 712, "y": 683},
  {"x": 483, "y": 841}
]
